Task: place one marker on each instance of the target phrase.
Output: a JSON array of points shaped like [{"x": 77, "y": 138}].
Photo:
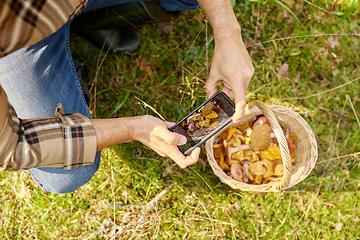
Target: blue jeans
[{"x": 38, "y": 77}]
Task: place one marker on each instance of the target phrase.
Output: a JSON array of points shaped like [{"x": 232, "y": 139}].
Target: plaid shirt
[
  {"x": 26, "y": 22},
  {"x": 67, "y": 140}
]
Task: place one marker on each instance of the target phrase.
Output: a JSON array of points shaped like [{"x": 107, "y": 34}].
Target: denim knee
[
  {"x": 179, "y": 5},
  {"x": 57, "y": 180}
]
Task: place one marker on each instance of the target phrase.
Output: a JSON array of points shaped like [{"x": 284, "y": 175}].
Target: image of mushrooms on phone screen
[{"x": 204, "y": 121}]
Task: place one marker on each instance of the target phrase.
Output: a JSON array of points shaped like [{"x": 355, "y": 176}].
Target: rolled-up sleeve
[{"x": 66, "y": 140}]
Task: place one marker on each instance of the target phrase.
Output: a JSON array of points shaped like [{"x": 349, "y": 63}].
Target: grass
[{"x": 138, "y": 195}]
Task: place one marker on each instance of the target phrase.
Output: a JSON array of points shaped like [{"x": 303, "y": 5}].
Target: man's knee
[{"x": 57, "y": 180}]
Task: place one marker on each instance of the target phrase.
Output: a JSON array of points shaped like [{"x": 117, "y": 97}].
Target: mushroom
[
  {"x": 236, "y": 140},
  {"x": 291, "y": 147},
  {"x": 228, "y": 151},
  {"x": 240, "y": 155},
  {"x": 260, "y": 137},
  {"x": 261, "y": 120},
  {"x": 258, "y": 179},
  {"x": 191, "y": 127},
  {"x": 195, "y": 115},
  {"x": 273, "y": 179},
  {"x": 222, "y": 164},
  {"x": 231, "y": 132},
  {"x": 258, "y": 168},
  {"x": 278, "y": 168},
  {"x": 269, "y": 168},
  {"x": 236, "y": 171},
  {"x": 251, "y": 155},
  {"x": 245, "y": 164},
  {"x": 218, "y": 152},
  {"x": 207, "y": 109}
]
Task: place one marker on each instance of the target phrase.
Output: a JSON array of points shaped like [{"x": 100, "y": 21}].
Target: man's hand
[
  {"x": 154, "y": 133},
  {"x": 146, "y": 129},
  {"x": 231, "y": 63}
]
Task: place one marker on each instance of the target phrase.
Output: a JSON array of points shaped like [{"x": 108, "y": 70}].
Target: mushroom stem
[
  {"x": 195, "y": 115},
  {"x": 229, "y": 151},
  {"x": 245, "y": 164}
]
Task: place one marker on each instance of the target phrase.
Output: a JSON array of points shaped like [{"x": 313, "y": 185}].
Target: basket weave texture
[{"x": 279, "y": 117}]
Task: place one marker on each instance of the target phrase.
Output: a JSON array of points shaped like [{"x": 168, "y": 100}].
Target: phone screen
[{"x": 209, "y": 118}]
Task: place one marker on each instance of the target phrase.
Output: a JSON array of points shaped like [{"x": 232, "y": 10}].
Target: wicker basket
[{"x": 305, "y": 144}]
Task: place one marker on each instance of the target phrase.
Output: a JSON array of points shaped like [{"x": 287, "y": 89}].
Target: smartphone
[{"x": 205, "y": 121}]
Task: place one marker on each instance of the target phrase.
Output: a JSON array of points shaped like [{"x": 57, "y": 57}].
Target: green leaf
[
  {"x": 119, "y": 105},
  {"x": 290, "y": 11}
]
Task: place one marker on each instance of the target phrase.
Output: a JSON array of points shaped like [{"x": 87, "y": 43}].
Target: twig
[
  {"x": 147, "y": 105},
  {"x": 352, "y": 106},
  {"x": 317, "y": 94},
  {"x": 344, "y": 156},
  {"x": 308, "y": 208},
  {"x": 154, "y": 201},
  {"x": 305, "y": 36},
  {"x": 201, "y": 178}
]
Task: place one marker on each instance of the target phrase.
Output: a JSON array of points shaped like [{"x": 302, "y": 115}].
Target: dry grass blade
[
  {"x": 147, "y": 105},
  {"x": 355, "y": 154},
  {"x": 352, "y": 107},
  {"x": 320, "y": 93}
]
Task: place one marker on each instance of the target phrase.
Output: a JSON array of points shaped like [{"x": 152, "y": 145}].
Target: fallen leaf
[
  {"x": 200, "y": 16},
  {"x": 166, "y": 28},
  {"x": 298, "y": 6},
  {"x": 318, "y": 15},
  {"x": 326, "y": 21},
  {"x": 290, "y": 3},
  {"x": 340, "y": 198},
  {"x": 347, "y": 173},
  {"x": 339, "y": 226},
  {"x": 320, "y": 53},
  {"x": 333, "y": 42},
  {"x": 237, "y": 206},
  {"x": 144, "y": 67},
  {"x": 290, "y": 21},
  {"x": 297, "y": 76},
  {"x": 283, "y": 70},
  {"x": 335, "y": 72}
]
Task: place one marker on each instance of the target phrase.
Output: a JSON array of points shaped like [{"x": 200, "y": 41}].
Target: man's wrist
[{"x": 227, "y": 32}]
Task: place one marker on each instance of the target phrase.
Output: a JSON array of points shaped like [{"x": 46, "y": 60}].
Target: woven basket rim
[{"x": 272, "y": 186}]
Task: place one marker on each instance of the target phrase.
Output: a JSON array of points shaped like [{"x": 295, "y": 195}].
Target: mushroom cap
[
  {"x": 258, "y": 168},
  {"x": 236, "y": 172},
  {"x": 207, "y": 108},
  {"x": 261, "y": 120},
  {"x": 260, "y": 137},
  {"x": 245, "y": 161}
]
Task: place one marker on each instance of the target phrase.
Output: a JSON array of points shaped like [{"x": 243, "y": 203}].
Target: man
[{"x": 37, "y": 73}]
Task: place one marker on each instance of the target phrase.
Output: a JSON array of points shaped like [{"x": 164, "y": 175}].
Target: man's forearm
[
  {"x": 221, "y": 17},
  {"x": 114, "y": 131}
]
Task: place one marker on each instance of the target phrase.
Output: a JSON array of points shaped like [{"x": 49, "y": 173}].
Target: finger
[
  {"x": 228, "y": 92},
  {"x": 240, "y": 103},
  {"x": 211, "y": 86},
  {"x": 171, "y": 138},
  {"x": 169, "y": 124},
  {"x": 181, "y": 160},
  {"x": 156, "y": 150},
  {"x": 193, "y": 158}
]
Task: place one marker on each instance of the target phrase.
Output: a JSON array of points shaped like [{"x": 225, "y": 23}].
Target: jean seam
[
  {"x": 41, "y": 185},
  {"x": 71, "y": 61}
]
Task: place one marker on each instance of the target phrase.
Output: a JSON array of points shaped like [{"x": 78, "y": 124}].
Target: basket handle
[{"x": 284, "y": 149}]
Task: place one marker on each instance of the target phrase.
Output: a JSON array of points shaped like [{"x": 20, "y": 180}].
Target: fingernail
[{"x": 182, "y": 141}]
